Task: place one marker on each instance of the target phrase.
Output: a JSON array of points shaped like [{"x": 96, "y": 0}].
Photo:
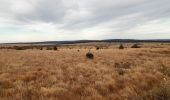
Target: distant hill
[{"x": 90, "y": 41}]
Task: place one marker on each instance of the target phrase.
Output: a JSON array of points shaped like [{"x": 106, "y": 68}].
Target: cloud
[{"x": 83, "y": 19}]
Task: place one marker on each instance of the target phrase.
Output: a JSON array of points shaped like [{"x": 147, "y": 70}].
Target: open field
[{"x": 66, "y": 74}]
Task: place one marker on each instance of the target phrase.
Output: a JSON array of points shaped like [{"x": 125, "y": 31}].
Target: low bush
[
  {"x": 19, "y": 48},
  {"x": 97, "y": 48},
  {"x": 121, "y": 46},
  {"x": 89, "y": 55},
  {"x": 55, "y": 48}
]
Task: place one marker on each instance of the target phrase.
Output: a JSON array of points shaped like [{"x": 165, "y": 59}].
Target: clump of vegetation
[
  {"x": 162, "y": 92},
  {"x": 89, "y": 55},
  {"x": 55, "y": 48},
  {"x": 121, "y": 46},
  {"x": 97, "y": 48},
  {"x": 135, "y": 46},
  {"x": 19, "y": 48}
]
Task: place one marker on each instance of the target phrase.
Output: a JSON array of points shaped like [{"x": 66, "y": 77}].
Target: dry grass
[{"x": 113, "y": 74}]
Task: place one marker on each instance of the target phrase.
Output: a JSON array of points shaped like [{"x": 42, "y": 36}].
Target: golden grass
[{"x": 113, "y": 74}]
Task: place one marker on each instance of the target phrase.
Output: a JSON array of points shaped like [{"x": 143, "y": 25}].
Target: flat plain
[{"x": 67, "y": 74}]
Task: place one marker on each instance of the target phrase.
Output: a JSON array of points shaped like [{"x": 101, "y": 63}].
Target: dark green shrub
[
  {"x": 89, "y": 55},
  {"x": 97, "y": 48},
  {"x": 121, "y": 46},
  {"x": 19, "y": 48},
  {"x": 55, "y": 48}
]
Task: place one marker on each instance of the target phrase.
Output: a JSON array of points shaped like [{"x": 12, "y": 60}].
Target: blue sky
[{"x": 55, "y": 20}]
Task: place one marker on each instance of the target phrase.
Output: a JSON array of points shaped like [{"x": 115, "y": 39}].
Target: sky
[{"x": 57, "y": 20}]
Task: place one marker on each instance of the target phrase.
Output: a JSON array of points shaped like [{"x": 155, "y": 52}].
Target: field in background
[{"x": 66, "y": 74}]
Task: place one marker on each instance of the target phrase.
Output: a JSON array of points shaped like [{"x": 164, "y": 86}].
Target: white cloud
[{"x": 41, "y": 20}]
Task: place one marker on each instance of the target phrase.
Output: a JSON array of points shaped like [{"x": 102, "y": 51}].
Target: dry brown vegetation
[{"x": 113, "y": 74}]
